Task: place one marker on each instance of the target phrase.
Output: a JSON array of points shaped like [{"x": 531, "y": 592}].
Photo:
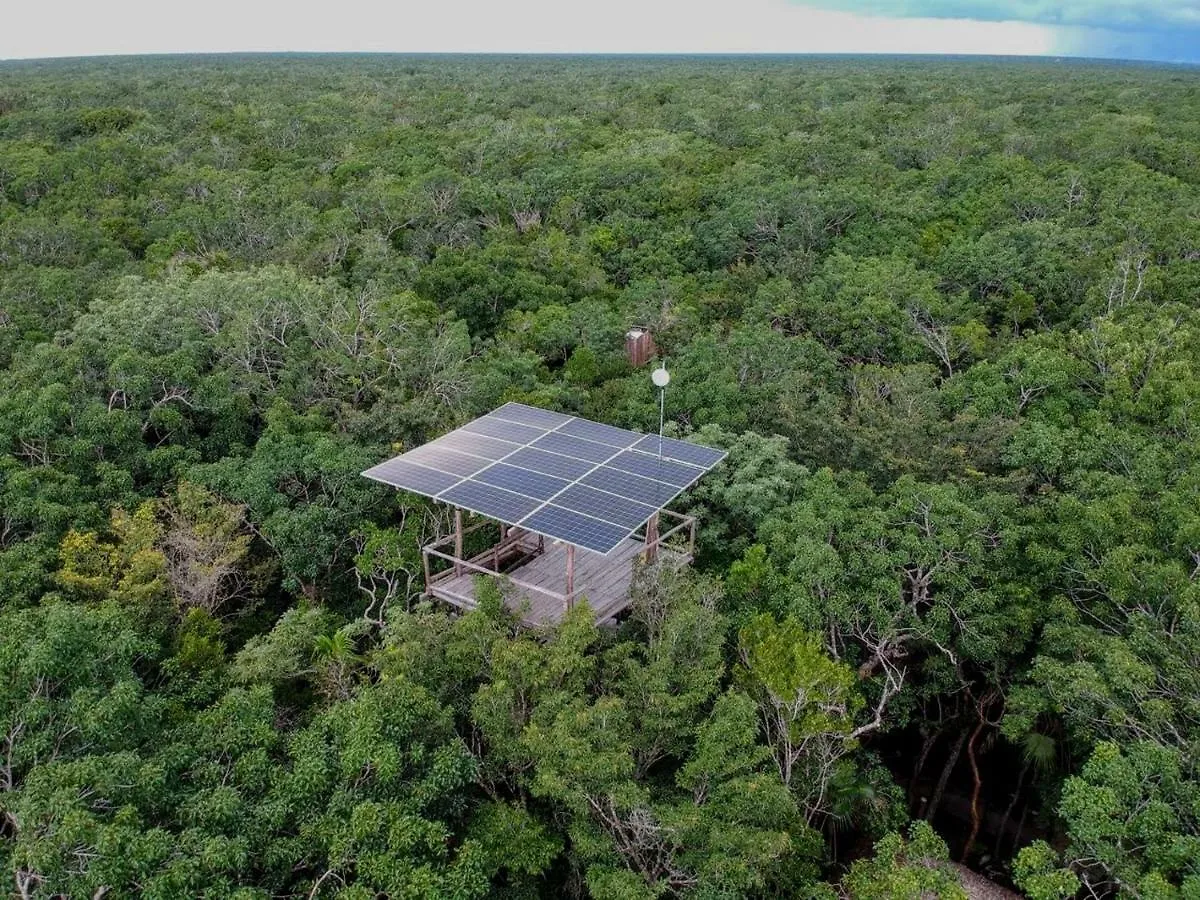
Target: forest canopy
[{"x": 943, "y": 316}]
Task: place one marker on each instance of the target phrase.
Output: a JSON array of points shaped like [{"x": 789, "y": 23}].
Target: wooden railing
[
  {"x": 674, "y": 533},
  {"x": 517, "y": 546},
  {"x": 483, "y": 570}
]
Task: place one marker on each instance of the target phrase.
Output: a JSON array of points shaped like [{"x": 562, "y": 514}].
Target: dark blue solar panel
[
  {"x": 490, "y": 501},
  {"x": 626, "y": 484},
  {"x": 603, "y": 434},
  {"x": 475, "y": 444},
  {"x": 411, "y": 477},
  {"x": 434, "y": 456},
  {"x": 550, "y": 463},
  {"x": 529, "y": 415},
  {"x": 684, "y": 451},
  {"x": 592, "y": 534},
  {"x": 601, "y": 505},
  {"x": 569, "y": 446},
  {"x": 677, "y": 474},
  {"x": 522, "y": 481},
  {"x": 563, "y": 477},
  {"x": 505, "y": 431}
]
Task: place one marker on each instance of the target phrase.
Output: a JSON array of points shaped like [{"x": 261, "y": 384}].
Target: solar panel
[
  {"x": 530, "y": 415},
  {"x": 505, "y": 431},
  {"x": 489, "y": 501},
  {"x": 475, "y": 444},
  {"x": 693, "y": 454},
  {"x": 576, "y": 528},
  {"x": 411, "y": 477},
  {"x": 522, "y": 481},
  {"x": 626, "y": 484},
  {"x": 574, "y": 447},
  {"x": 600, "y": 505},
  {"x": 435, "y": 456},
  {"x": 550, "y": 463},
  {"x": 678, "y": 474},
  {"x": 589, "y": 484},
  {"x": 601, "y": 434}
]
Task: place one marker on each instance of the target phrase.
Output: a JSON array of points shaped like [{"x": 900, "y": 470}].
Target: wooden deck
[
  {"x": 533, "y": 571},
  {"x": 603, "y": 581}
]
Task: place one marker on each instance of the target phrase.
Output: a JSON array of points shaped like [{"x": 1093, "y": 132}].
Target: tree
[
  {"x": 1131, "y": 822},
  {"x": 370, "y": 793},
  {"x": 302, "y": 493},
  {"x": 388, "y": 563},
  {"x": 74, "y": 709},
  {"x": 808, "y": 706},
  {"x": 206, "y": 545},
  {"x": 912, "y": 867},
  {"x": 125, "y": 564}
]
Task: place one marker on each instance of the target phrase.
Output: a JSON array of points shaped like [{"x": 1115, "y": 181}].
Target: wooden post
[
  {"x": 570, "y": 599},
  {"x": 652, "y": 538},
  {"x": 691, "y": 538},
  {"x": 425, "y": 559},
  {"x": 458, "y": 541}
]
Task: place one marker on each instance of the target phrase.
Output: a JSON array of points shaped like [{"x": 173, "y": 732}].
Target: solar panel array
[{"x": 560, "y": 476}]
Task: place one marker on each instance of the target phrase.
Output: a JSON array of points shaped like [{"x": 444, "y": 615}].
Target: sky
[{"x": 1165, "y": 30}]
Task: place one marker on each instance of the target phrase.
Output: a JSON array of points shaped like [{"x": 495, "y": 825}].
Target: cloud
[
  {"x": 1164, "y": 30},
  {"x": 70, "y": 27},
  {"x": 1119, "y": 15},
  {"x": 1152, "y": 30}
]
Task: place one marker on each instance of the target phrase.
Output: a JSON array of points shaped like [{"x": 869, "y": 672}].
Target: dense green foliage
[{"x": 943, "y": 315}]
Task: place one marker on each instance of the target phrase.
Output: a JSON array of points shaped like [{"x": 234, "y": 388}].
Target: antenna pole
[
  {"x": 662, "y": 405},
  {"x": 661, "y": 378}
]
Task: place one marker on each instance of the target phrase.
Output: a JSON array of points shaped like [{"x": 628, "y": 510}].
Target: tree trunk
[
  {"x": 1020, "y": 828},
  {"x": 976, "y": 788},
  {"x": 926, "y": 746},
  {"x": 1012, "y": 804},
  {"x": 936, "y": 799}
]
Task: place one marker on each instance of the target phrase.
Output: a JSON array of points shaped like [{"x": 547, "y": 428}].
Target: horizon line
[{"x": 666, "y": 54}]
